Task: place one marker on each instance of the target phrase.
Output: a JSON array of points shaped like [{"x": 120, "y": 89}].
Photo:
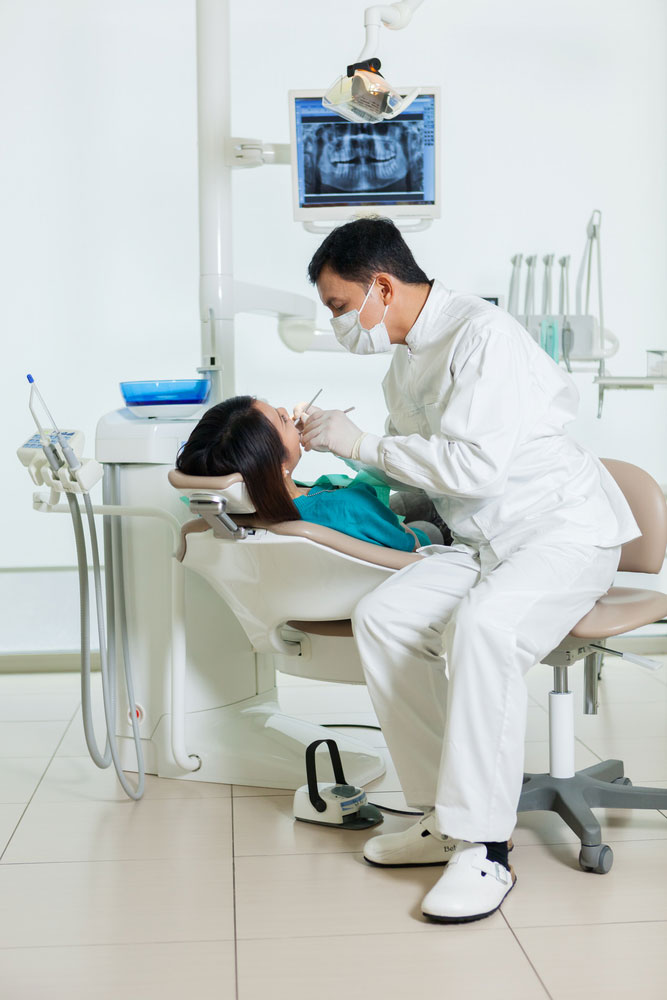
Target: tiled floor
[{"x": 209, "y": 891}]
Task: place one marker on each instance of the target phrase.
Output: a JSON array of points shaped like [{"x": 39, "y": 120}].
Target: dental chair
[
  {"x": 293, "y": 587},
  {"x": 284, "y": 582}
]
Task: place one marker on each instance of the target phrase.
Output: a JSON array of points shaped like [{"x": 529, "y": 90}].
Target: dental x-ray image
[{"x": 346, "y": 158}]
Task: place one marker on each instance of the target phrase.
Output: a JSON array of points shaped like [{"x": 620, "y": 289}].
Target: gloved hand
[
  {"x": 331, "y": 430},
  {"x": 302, "y": 413}
]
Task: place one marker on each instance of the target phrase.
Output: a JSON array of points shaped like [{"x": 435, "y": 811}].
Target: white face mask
[{"x": 355, "y": 338}]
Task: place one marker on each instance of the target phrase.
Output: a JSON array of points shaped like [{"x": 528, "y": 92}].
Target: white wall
[{"x": 549, "y": 111}]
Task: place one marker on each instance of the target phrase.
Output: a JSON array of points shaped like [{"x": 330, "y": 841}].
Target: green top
[{"x": 356, "y": 507}]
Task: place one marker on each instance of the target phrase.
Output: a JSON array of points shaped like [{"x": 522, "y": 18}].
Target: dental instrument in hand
[
  {"x": 299, "y": 416},
  {"x": 305, "y": 410}
]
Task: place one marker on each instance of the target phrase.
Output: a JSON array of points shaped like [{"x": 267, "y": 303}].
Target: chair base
[
  {"x": 250, "y": 743},
  {"x": 601, "y": 786}
]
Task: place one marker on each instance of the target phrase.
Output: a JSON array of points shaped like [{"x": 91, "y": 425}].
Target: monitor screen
[{"x": 339, "y": 166}]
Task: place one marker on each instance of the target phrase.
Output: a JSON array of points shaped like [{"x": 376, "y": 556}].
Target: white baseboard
[{"x": 60, "y": 662}]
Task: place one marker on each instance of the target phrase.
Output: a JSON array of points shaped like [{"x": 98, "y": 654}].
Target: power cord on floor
[{"x": 354, "y": 725}]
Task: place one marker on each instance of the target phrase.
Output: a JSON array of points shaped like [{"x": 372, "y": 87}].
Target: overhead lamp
[{"x": 363, "y": 95}]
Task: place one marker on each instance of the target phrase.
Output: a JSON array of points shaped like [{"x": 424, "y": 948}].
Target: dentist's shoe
[
  {"x": 420, "y": 844},
  {"x": 471, "y": 888}
]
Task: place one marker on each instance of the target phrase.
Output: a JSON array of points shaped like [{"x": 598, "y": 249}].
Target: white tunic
[{"x": 477, "y": 416}]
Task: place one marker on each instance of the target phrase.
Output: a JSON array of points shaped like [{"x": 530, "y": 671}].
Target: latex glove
[
  {"x": 331, "y": 430},
  {"x": 302, "y": 413}
]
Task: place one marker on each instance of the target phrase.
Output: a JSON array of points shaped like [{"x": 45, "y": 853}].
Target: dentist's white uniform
[{"x": 476, "y": 419}]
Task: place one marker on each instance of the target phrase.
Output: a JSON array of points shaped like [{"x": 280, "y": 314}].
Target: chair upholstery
[
  {"x": 621, "y": 609},
  {"x": 645, "y": 554}
]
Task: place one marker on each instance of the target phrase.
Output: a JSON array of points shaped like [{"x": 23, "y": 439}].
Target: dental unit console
[{"x": 53, "y": 459}]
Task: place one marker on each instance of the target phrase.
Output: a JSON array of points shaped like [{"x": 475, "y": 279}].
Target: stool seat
[{"x": 621, "y": 609}]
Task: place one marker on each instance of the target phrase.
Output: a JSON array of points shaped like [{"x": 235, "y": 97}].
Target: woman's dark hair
[
  {"x": 361, "y": 249},
  {"x": 235, "y": 436}
]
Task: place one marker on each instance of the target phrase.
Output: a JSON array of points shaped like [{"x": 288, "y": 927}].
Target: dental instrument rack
[
  {"x": 566, "y": 336},
  {"x": 573, "y": 337}
]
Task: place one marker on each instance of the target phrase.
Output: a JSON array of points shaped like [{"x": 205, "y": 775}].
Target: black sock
[{"x": 497, "y": 851}]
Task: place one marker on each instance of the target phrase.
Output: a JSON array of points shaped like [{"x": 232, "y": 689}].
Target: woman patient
[{"x": 262, "y": 443}]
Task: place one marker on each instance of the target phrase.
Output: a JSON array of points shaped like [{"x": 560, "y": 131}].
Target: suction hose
[
  {"x": 120, "y": 617},
  {"x": 84, "y": 605},
  {"x": 107, "y": 639}
]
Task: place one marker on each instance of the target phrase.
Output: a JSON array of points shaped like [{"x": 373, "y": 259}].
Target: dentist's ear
[{"x": 385, "y": 286}]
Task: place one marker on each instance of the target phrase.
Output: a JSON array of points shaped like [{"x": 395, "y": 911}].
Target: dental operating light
[{"x": 363, "y": 95}]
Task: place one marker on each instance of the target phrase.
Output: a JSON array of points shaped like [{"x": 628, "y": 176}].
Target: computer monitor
[{"x": 341, "y": 169}]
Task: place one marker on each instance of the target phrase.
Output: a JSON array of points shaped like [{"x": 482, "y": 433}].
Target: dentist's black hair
[
  {"x": 361, "y": 249},
  {"x": 235, "y": 436}
]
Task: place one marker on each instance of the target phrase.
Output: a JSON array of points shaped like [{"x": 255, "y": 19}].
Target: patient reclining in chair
[{"x": 262, "y": 443}]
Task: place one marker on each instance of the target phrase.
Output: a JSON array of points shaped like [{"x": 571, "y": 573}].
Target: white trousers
[{"x": 455, "y": 724}]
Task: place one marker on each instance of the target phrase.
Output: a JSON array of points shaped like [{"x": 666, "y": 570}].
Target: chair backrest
[
  {"x": 647, "y": 503},
  {"x": 242, "y": 510}
]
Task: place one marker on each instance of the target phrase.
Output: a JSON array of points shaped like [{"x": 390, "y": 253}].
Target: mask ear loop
[{"x": 366, "y": 299}]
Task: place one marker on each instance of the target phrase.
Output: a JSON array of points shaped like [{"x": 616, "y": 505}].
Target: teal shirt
[{"x": 356, "y": 510}]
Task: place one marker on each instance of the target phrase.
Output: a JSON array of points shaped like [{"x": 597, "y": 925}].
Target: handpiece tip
[{"x": 30, "y": 379}]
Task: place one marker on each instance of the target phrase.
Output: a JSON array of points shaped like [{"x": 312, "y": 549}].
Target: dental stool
[
  {"x": 572, "y": 794},
  {"x": 292, "y": 587}
]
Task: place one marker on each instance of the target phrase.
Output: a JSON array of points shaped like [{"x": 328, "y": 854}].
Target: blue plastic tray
[{"x": 193, "y": 390}]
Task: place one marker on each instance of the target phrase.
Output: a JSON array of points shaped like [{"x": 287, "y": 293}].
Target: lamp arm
[{"x": 394, "y": 16}]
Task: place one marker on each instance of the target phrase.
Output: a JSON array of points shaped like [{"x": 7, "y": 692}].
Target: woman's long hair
[{"x": 235, "y": 436}]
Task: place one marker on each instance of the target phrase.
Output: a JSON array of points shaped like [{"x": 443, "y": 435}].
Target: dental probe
[
  {"x": 305, "y": 410},
  {"x": 349, "y": 410}
]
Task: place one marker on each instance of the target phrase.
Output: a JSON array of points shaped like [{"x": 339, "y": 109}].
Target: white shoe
[
  {"x": 472, "y": 887},
  {"x": 420, "y": 844}
]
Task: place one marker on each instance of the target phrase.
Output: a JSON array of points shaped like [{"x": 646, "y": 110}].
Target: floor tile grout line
[
  {"x": 526, "y": 955},
  {"x": 604, "y": 923},
  {"x": 432, "y": 928},
  {"x": 115, "y": 944},
  {"x": 359, "y": 851},
  {"x": 34, "y": 791},
  {"x": 236, "y": 950},
  {"x": 91, "y": 800},
  {"x": 106, "y": 861},
  {"x": 427, "y": 929},
  {"x": 301, "y": 854}
]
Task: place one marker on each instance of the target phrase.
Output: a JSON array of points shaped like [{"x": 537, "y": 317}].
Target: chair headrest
[{"x": 232, "y": 487}]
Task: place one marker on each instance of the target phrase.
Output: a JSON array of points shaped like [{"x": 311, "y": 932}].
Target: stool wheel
[{"x": 598, "y": 858}]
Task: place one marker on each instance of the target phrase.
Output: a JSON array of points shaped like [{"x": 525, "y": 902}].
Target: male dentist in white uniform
[{"x": 477, "y": 415}]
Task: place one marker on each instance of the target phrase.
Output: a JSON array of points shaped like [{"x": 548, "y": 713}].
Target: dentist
[{"x": 477, "y": 415}]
